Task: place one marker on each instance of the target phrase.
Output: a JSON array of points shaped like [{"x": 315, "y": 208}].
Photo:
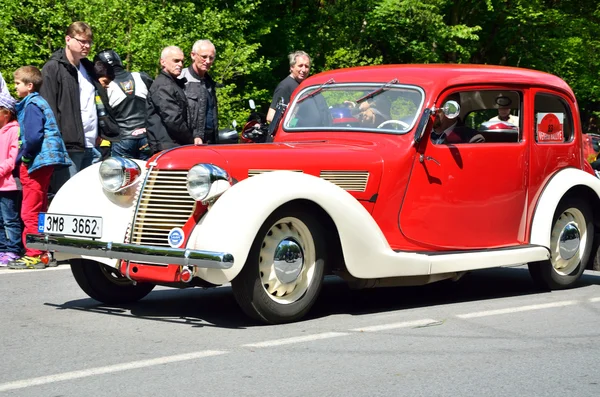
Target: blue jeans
[
  {"x": 80, "y": 161},
  {"x": 131, "y": 148},
  {"x": 10, "y": 223}
]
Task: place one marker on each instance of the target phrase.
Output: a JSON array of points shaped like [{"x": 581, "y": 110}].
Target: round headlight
[
  {"x": 117, "y": 173},
  {"x": 198, "y": 181},
  {"x": 206, "y": 181}
]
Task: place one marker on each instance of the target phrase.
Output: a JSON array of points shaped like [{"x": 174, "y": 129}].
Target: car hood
[{"x": 353, "y": 166}]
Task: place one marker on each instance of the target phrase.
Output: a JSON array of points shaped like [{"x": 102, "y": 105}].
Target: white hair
[
  {"x": 169, "y": 49},
  {"x": 200, "y": 43}
]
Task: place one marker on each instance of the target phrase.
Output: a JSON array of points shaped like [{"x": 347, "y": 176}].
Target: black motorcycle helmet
[{"x": 108, "y": 56}]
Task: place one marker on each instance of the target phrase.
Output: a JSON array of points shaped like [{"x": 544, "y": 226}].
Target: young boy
[
  {"x": 10, "y": 219},
  {"x": 42, "y": 149}
]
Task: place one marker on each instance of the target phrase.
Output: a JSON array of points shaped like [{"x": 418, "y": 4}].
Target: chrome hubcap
[
  {"x": 568, "y": 242},
  {"x": 288, "y": 260},
  {"x": 569, "y": 236}
]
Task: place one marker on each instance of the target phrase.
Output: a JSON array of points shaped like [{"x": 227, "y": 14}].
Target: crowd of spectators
[{"x": 77, "y": 111}]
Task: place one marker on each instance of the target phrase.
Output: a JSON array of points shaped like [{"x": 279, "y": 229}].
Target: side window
[
  {"x": 486, "y": 116},
  {"x": 553, "y": 120}
]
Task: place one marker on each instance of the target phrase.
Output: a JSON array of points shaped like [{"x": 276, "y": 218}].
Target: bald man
[{"x": 167, "y": 104}]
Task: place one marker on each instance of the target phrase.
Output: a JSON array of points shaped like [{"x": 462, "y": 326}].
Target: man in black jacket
[
  {"x": 201, "y": 93},
  {"x": 167, "y": 104},
  {"x": 70, "y": 87}
]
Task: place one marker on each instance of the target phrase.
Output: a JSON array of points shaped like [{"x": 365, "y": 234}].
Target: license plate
[{"x": 70, "y": 225}]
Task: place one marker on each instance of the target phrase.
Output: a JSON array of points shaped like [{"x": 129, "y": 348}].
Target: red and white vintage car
[{"x": 357, "y": 183}]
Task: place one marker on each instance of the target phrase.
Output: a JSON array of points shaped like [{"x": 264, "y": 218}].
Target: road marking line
[
  {"x": 405, "y": 324},
  {"x": 297, "y": 339},
  {"x": 42, "y": 380},
  {"x": 15, "y": 271},
  {"x": 516, "y": 309},
  {"x": 594, "y": 299}
]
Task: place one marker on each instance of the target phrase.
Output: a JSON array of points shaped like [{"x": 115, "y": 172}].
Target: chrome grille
[
  {"x": 164, "y": 204},
  {"x": 348, "y": 180}
]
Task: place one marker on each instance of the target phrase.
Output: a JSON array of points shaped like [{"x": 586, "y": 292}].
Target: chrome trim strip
[{"x": 131, "y": 252}]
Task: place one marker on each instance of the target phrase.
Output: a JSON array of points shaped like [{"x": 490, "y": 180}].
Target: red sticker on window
[{"x": 550, "y": 129}]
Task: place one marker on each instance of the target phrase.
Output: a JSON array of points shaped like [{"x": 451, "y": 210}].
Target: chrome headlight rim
[
  {"x": 201, "y": 178},
  {"x": 123, "y": 171}
]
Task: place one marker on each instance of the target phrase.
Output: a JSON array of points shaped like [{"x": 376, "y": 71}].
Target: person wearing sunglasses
[{"x": 201, "y": 93}]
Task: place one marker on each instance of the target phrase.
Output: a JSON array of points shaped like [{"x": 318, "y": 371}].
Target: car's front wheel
[
  {"x": 106, "y": 284},
  {"x": 571, "y": 240},
  {"x": 283, "y": 274}
]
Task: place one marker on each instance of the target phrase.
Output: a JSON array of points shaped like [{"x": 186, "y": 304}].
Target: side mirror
[
  {"x": 451, "y": 109},
  {"x": 252, "y": 104}
]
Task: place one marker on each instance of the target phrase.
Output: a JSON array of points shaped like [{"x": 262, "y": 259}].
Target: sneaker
[
  {"x": 27, "y": 262},
  {"x": 7, "y": 257}
]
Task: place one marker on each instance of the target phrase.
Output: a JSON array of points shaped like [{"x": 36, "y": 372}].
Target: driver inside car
[
  {"x": 372, "y": 113},
  {"x": 451, "y": 131}
]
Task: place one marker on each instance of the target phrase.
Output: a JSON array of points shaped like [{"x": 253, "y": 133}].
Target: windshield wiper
[
  {"x": 377, "y": 91},
  {"x": 315, "y": 92}
]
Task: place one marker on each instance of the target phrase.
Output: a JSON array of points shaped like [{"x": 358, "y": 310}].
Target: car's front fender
[
  {"x": 234, "y": 220},
  {"x": 83, "y": 195}
]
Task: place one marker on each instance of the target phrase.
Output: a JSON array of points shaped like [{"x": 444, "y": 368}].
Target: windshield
[{"x": 360, "y": 107}]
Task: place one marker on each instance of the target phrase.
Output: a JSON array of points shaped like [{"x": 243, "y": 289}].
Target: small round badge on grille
[{"x": 176, "y": 237}]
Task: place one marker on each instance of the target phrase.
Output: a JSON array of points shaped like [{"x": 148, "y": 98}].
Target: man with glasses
[
  {"x": 69, "y": 86},
  {"x": 299, "y": 70},
  {"x": 167, "y": 104},
  {"x": 200, "y": 90}
]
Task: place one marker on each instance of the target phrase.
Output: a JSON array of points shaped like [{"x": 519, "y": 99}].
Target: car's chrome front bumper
[{"x": 131, "y": 252}]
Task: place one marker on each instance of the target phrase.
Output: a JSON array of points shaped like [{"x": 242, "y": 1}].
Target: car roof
[{"x": 434, "y": 78}]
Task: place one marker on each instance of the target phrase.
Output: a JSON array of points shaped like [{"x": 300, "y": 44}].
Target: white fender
[
  {"x": 233, "y": 222},
  {"x": 83, "y": 195},
  {"x": 551, "y": 196}
]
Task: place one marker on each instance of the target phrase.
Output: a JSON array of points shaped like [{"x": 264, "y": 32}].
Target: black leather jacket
[
  {"x": 168, "y": 114},
  {"x": 197, "y": 91},
  {"x": 127, "y": 102}
]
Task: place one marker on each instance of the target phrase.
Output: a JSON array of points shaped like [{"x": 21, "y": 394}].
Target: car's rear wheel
[
  {"x": 106, "y": 284},
  {"x": 283, "y": 274},
  {"x": 571, "y": 240}
]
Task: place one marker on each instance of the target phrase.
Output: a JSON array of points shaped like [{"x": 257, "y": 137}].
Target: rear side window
[{"x": 553, "y": 119}]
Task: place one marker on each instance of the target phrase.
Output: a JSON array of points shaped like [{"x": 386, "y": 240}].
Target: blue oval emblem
[{"x": 176, "y": 237}]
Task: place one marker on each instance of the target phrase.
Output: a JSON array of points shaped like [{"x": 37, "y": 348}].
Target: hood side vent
[{"x": 355, "y": 181}]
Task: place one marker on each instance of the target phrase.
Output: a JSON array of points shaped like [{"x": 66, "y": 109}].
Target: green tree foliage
[{"x": 253, "y": 37}]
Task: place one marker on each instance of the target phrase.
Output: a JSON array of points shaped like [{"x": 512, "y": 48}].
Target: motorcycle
[
  {"x": 256, "y": 130},
  {"x": 228, "y": 135}
]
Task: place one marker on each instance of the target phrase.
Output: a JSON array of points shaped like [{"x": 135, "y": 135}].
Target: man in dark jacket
[
  {"x": 201, "y": 93},
  {"x": 70, "y": 86},
  {"x": 167, "y": 104}
]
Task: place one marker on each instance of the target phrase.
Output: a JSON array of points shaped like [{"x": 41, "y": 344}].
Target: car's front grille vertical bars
[{"x": 164, "y": 204}]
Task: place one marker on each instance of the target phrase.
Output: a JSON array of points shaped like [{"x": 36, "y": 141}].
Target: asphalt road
[{"x": 491, "y": 334}]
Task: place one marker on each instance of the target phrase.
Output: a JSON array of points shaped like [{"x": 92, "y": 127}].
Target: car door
[{"x": 471, "y": 195}]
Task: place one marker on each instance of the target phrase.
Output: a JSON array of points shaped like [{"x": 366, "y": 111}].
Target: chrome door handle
[{"x": 429, "y": 158}]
